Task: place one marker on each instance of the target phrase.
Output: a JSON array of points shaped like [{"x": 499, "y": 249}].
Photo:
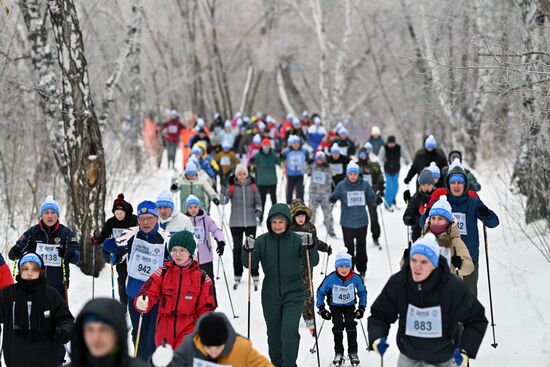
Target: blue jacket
[
  {"x": 354, "y": 215},
  {"x": 295, "y": 161},
  {"x": 206, "y": 165},
  {"x": 325, "y": 290}
]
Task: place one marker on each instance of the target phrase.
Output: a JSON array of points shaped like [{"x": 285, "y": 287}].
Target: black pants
[
  {"x": 374, "y": 225},
  {"x": 344, "y": 317},
  {"x": 264, "y": 190},
  {"x": 122, "y": 271},
  {"x": 355, "y": 240},
  {"x": 208, "y": 268},
  {"x": 237, "y": 234},
  {"x": 294, "y": 183}
]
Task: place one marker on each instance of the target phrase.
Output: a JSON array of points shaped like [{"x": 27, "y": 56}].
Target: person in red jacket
[
  {"x": 172, "y": 133},
  {"x": 5, "y": 274},
  {"x": 184, "y": 292}
]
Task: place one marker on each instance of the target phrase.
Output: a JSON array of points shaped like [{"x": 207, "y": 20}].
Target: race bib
[
  {"x": 424, "y": 322},
  {"x": 172, "y": 129},
  {"x": 117, "y": 232},
  {"x": 225, "y": 161},
  {"x": 344, "y": 150},
  {"x": 446, "y": 253},
  {"x": 319, "y": 177},
  {"x": 368, "y": 179},
  {"x": 342, "y": 295},
  {"x": 337, "y": 168},
  {"x": 356, "y": 198},
  {"x": 199, "y": 233},
  {"x": 200, "y": 363},
  {"x": 296, "y": 161},
  {"x": 461, "y": 222},
  {"x": 49, "y": 254},
  {"x": 145, "y": 259}
]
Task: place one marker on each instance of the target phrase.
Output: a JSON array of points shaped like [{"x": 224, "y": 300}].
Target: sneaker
[
  {"x": 338, "y": 359},
  {"x": 353, "y": 359}
]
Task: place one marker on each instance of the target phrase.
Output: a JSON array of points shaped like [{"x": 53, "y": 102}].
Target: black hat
[
  {"x": 119, "y": 203},
  {"x": 212, "y": 330},
  {"x": 391, "y": 139}
]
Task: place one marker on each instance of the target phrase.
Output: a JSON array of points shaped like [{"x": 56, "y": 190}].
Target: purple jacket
[{"x": 204, "y": 226}]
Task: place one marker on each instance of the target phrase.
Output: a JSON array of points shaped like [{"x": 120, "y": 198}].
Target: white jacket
[{"x": 176, "y": 223}]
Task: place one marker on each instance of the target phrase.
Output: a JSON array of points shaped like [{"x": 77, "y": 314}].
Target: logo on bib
[
  {"x": 157, "y": 251},
  {"x": 57, "y": 240}
]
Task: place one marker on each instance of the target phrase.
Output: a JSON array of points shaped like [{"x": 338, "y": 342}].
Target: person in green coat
[
  {"x": 281, "y": 255},
  {"x": 264, "y": 163}
]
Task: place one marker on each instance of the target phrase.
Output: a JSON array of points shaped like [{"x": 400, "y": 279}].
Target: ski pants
[
  {"x": 294, "y": 183},
  {"x": 470, "y": 281},
  {"x": 171, "y": 148},
  {"x": 392, "y": 187},
  {"x": 326, "y": 207},
  {"x": 355, "y": 240},
  {"x": 308, "y": 313},
  {"x": 264, "y": 190},
  {"x": 148, "y": 328},
  {"x": 343, "y": 317},
  {"x": 208, "y": 268},
  {"x": 283, "y": 320},
  {"x": 237, "y": 234},
  {"x": 374, "y": 225},
  {"x": 404, "y": 361},
  {"x": 122, "y": 274}
]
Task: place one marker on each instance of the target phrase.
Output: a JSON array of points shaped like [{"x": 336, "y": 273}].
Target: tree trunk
[{"x": 85, "y": 176}]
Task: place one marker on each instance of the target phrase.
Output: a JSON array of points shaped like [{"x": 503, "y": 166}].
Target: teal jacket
[{"x": 264, "y": 167}]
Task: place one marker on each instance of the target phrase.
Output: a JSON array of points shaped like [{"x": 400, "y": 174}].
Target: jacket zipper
[
  {"x": 279, "y": 265},
  {"x": 175, "y": 312},
  {"x": 421, "y": 294},
  {"x": 244, "y": 204}
]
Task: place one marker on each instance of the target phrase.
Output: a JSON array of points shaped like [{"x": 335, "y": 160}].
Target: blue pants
[
  {"x": 148, "y": 327},
  {"x": 392, "y": 186}
]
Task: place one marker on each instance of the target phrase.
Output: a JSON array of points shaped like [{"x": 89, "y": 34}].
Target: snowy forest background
[{"x": 474, "y": 73}]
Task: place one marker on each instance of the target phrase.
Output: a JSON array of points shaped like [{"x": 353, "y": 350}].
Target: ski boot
[
  {"x": 311, "y": 326},
  {"x": 237, "y": 282},
  {"x": 388, "y": 207},
  {"x": 332, "y": 234},
  {"x": 256, "y": 280},
  {"x": 353, "y": 359},
  {"x": 338, "y": 359}
]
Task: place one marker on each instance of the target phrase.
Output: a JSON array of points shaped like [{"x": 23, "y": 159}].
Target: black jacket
[
  {"x": 423, "y": 158},
  {"x": 130, "y": 220},
  {"x": 415, "y": 209},
  {"x": 439, "y": 289},
  {"x": 392, "y": 163},
  {"x": 58, "y": 234},
  {"x": 39, "y": 346},
  {"x": 115, "y": 314},
  {"x": 342, "y": 162}
]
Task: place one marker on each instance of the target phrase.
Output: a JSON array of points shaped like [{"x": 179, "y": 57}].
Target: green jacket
[
  {"x": 264, "y": 168},
  {"x": 281, "y": 257},
  {"x": 371, "y": 173}
]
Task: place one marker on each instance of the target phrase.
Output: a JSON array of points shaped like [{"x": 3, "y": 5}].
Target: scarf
[{"x": 33, "y": 291}]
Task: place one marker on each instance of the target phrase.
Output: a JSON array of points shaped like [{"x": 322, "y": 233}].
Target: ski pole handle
[{"x": 307, "y": 239}]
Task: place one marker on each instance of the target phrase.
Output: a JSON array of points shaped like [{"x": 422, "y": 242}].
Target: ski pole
[
  {"x": 386, "y": 239},
  {"x": 93, "y": 272},
  {"x": 112, "y": 282},
  {"x": 364, "y": 334},
  {"x": 228, "y": 292},
  {"x": 306, "y": 241},
  {"x": 494, "y": 345},
  {"x": 249, "y": 290},
  {"x": 325, "y": 257},
  {"x": 65, "y": 281},
  {"x": 138, "y": 334},
  {"x": 313, "y": 349},
  {"x": 218, "y": 275},
  {"x": 225, "y": 230}
]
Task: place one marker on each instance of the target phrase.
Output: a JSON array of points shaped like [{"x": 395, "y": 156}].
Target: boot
[
  {"x": 354, "y": 359},
  {"x": 237, "y": 282},
  {"x": 338, "y": 359},
  {"x": 256, "y": 280}
]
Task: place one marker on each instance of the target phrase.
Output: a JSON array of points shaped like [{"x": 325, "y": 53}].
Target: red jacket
[
  {"x": 5, "y": 274},
  {"x": 172, "y": 130},
  {"x": 184, "y": 294}
]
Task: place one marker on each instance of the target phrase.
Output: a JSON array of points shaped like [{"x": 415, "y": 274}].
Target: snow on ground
[{"x": 518, "y": 275}]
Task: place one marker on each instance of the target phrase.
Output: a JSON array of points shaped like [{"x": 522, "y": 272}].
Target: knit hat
[
  {"x": 266, "y": 141},
  {"x": 298, "y": 207},
  {"x": 174, "y": 113},
  {"x": 457, "y": 177},
  {"x": 426, "y": 177},
  {"x": 428, "y": 247},
  {"x": 335, "y": 149},
  {"x": 317, "y": 120},
  {"x": 352, "y": 168},
  {"x": 456, "y": 165},
  {"x": 257, "y": 139},
  {"x": 261, "y": 126},
  {"x": 226, "y": 145},
  {"x": 119, "y": 203},
  {"x": 295, "y": 121},
  {"x": 31, "y": 257},
  {"x": 96, "y": 318},
  {"x": 375, "y": 131},
  {"x": 339, "y": 126},
  {"x": 227, "y": 124},
  {"x": 212, "y": 330},
  {"x": 147, "y": 207},
  {"x": 196, "y": 150},
  {"x": 343, "y": 131},
  {"x": 192, "y": 200},
  {"x": 191, "y": 169},
  {"x": 430, "y": 142},
  {"x": 293, "y": 139},
  {"x": 50, "y": 204},
  {"x": 241, "y": 167},
  {"x": 200, "y": 122},
  {"x": 183, "y": 239},
  {"x": 391, "y": 139},
  {"x": 435, "y": 170},
  {"x": 320, "y": 155},
  {"x": 342, "y": 259},
  {"x": 442, "y": 208},
  {"x": 368, "y": 146},
  {"x": 363, "y": 154},
  {"x": 165, "y": 200}
]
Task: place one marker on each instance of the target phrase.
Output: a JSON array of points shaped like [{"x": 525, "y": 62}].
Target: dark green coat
[{"x": 264, "y": 168}]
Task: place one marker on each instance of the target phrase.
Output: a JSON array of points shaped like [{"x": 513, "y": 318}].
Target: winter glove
[
  {"x": 483, "y": 211},
  {"x": 379, "y": 199},
  {"x": 142, "y": 303},
  {"x": 409, "y": 220},
  {"x": 258, "y": 213},
  {"x": 407, "y": 181},
  {"x": 460, "y": 357},
  {"x": 359, "y": 313},
  {"x": 329, "y": 250},
  {"x": 307, "y": 240},
  {"x": 324, "y": 313},
  {"x": 248, "y": 244},
  {"x": 173, "y": 187},
  {"x": 216, "y": 201},
  {"x": 109, "y": 245},
  {"x": 406, "y": 254},
  {"x": 17, "y": 252},
  {"x": 407, "y": 196},
  {"x": 380, "y": 193},
  {"x": 220, "y": 248},
  {"x": 456, "y": 261},
  {"x": 61, "y": 336},
  {"x": 380, "y": 346},
  {"x": 332, "y": 199},
  {"x": 64, "y": 252},
  {"x": 163, "y": 355},
  {"x": 94, "y": 241}
]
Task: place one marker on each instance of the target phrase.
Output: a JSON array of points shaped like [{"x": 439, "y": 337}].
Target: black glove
[
  {"x": 380, "y": 193},
  {"x": 407, "y": 181},
  {"x": 174, "y": 187},
  {"x": 216, "y": 201},
  {"x": 483, "y": 211},
  {"x": 456, "y": 261},
  {"x": 379, "y": 200},
  {"x": 407, "y": 196},
  {"x": 61, "y": 336},
  {"x": 16, "y": 252},
  {"x": 359, "y": 313},
  {"x": 329, "y": 251},
  {"x": 220, "y": 248},
  {"x": 332, "y": 199},
  {"x": 406, "y": 254},
  {"x": 409, "y": 220},
  {"x": 65, "y": 252},
  {"x": 324, "y": 313}
]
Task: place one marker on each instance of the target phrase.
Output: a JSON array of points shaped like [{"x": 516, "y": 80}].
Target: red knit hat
[
  {"x": 119, "y": 203},
  {"x": 266, "y": 141}
]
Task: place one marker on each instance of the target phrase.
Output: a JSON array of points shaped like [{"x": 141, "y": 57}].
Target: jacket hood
[
  {"x": 461, "y": 172},
  {"x": 279, "y": 209},
  {"x": 299, "y": 206},
  {"x": 231, "y": 335},
  {"x": 115, "y": 314}
]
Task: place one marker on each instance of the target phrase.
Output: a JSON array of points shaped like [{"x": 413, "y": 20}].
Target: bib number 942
[{"x": 144, "y": 269}]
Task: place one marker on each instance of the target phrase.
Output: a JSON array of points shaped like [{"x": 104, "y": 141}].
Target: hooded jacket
[
  {"x": 245, "y": 202},
  {"x": 115, "y": 314},
  {"x": 308, "y": 227},
  {"x": 238, "y": 350},
  {"x": 200, "y": 187},
  {"x": 371, "y": 172},
  {"x": 264, "y": 165},
  {"x": 423, "y": 158},
  {"x": 202, "y": 225}
]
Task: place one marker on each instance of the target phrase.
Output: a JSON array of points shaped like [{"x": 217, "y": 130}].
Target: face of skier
[
  {"x": 320, "y": 161},
  {"x": 438, "y": 224},
  {"x": 193, "y": 210},
  {"x": 296, "y": 145},
  {"x": 426, "y": 187},
  {"x": 214, "y": 352},
  {"x": 457, "y": 188},
  {"x": 353, "y": 177},
  {"x": 147, "y": 222},
  {"x": 191, "y": 177},
  {"x": 164, "y": 212},
  {"x": 300, "y": 219},
  {"x": 421, "y": 267},
  {"x": 241, "y": 177},
  {"x": 29, "y": 271},
  {"x": 180, "y": 255},
  {"x": 278, "y": 226},
  {"x": 391, "y": 145},
  {"x": 120, "y": 214},
  {"x": 335, "y": 155},
  {"x": 343, "y": 270},
  {"x": 266, "y": 148},
  {"x": 100, "y": 338},
  {"x": 49, "y": 217}
]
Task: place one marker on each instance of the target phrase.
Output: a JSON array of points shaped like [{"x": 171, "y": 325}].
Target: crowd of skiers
[{"x": 164, "y": 253}]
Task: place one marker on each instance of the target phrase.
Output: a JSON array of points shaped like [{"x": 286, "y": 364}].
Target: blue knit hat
[
  {"x": 428, "y": 247},
  {"x": 196, "y": 150},
  {"x": 191, "y": 169},
  {"x": 293, "y": 139},
  {"x": 147, "y": 207},
  {"x": 164, "y": 200},
  {"x": 226, "y": 145},
  {"x": 436, "y": 172},
  {"x": 363, "y": 155},
  {"x": 320, "y": 155},
  {"x": 342, "y": 259},
  {"x": 368, "y": 146},
  {"x": 192, "y": 200},
  {"x": 442, "y": 208},
  {"x": 31, "y": 257},
  {"x": 457, "y": 177},
  {"x": 50, "y": 204},
  {"x": 335, "y": 149},
  {"x": 430, "y": 142},
  {"x": 352, "y": 168}
]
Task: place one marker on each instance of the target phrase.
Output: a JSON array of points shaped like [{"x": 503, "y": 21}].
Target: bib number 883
[
  {"x": 144, "y": 269},
  {"x": 423, "y": 325}
]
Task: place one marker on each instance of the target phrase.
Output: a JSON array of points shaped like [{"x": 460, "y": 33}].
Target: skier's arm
[
  {"x": 257, "y": 201},
  {"x": 371, "y": 196},
  {"x": 383, "y": 313},
  {"x": 486, "y": 215},
  {"x": 313, "y": 255},
  {"x": 322, "y": 292},
  {"x": 63, "y": 320},
  {"x": 255, "y": 359},
  {"x": 152, "y": 288},
  {"x": 225, "y": 195},
  {"x": 72, "y": 245},
  {"x": 214, "y": 230},
  {"x": 321, "y": 245},
  {"x": 206, "y": 302},
  {"x": 183, "y": 356},
  {"x": 412, "y": 171},
  {"x": 361, "y": 291},
  {"x": 5, "y": 274},
  {"x": 256, "y": 256},
  {"x": 209, "y": 190},
  {"x": 24, "y": 243},
  {"x": 472, "y": 315}
]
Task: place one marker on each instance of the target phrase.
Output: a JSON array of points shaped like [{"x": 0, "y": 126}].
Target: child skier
[
  {"x": 301, "y": 223},
  {"x": 341, "y": 288},
  {"x": 320, "y": 188},
  {"x": 191, "y": 183},
  {"x": 417, "y": 204}
]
